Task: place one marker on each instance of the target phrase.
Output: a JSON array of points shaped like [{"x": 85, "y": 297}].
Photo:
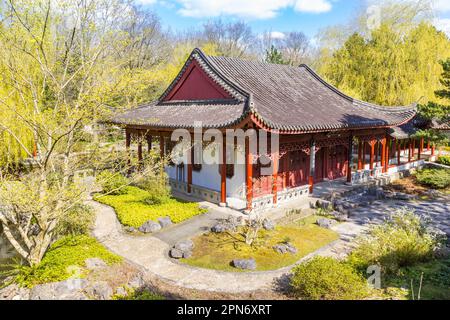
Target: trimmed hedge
[
  {"x": 132, "y": 207},
  {"x": 434, "y": 178},
  {"x": 324, "y": 278}
]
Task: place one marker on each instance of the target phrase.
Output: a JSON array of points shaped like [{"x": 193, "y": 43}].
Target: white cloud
[
  {"x": 260, "y": 9},
  {"x": 277, "y": 35},
  {"x": 443, "y": 25},
  {"x": 313, "y": 6},
  {"x": 146, "y": 2},
  {"x": 441, "y": 5}
]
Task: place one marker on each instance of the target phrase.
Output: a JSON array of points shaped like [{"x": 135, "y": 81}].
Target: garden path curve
[{"x": 151, "y": 254}]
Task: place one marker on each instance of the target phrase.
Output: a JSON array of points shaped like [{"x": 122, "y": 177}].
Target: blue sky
[{"x": 309, "y": 16}]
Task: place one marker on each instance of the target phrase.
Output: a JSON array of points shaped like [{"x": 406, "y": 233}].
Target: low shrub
[
  {"x": 112, "y": 182},
  {"x": 158, "y": 189},
  {"x": 445, "y": 160},
  {"x": 65, "y": 259},
  {"x": 78, "y": 221},
  {"x": 324, "y": 278},
  {"x": 132, "y": 210},
  {"x": 403, "y": 240},
  {"x": 434, "y": 178}
]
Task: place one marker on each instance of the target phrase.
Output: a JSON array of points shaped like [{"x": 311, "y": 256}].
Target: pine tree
[
  {"x": 273, "y": 55},
  {"x": 435, "y": 111}
]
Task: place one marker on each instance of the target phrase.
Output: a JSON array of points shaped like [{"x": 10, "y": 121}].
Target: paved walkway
[{"x": 151, "y": 253}]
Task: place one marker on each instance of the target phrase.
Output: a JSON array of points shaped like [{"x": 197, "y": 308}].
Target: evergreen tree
[
  {"x": 433, "y": 111},
  {"x": 273, "y": 55}
]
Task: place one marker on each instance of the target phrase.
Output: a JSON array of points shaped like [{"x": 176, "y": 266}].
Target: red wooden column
[
  {"x": 223, "y": 175},
  {"x": 409, "y": 150},
  {"x": 386, "y": 161},
  {"x": 360, "y": 147},
  {"x": 140, "y": 151},
  {"x": 413, "y": 149},
  {"x": 420, "y": 148},
  {"x": 149, "y": 143},
  {"x": 189, "y": 169},
  {"x": 377, "y": 152},
  {"x": 372, "y": 154},
  {"x": 312, "y": 165},
  {"x": 364, "y": 155},
  {"x": 399, "y": 151},
  {"x": 383, "y": 152},
  {"x": 275, "y": 164},
  {"x": 161, "y": 147},
  {"x": 249, "y": 174},
  {"x": 349, "y": 159},
  {"x": 128, "y": 145},
  {"x": 433, "y": 150},
  {"x": 428, "y": 145}
]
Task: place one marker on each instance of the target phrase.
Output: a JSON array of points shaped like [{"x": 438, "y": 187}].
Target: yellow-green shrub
[
  {"x": 132, "y": 210},
  {"x": 402, "y": 241},
  {"x": 324, "y": 278}
]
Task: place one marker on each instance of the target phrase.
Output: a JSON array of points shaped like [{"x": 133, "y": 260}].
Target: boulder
[
  {"x": 95, "y": 263},
  {"x": 130, "y": 229},
  {"x": 285, "y": 248},
  {"x": 185, "y": 245},
  {"x": 268, "y": 224},
  {"x": 176, "y": 254},
  {"x": 341, "y": 217},
  {"x": 70, "y": 289},
  {"x": 14, "y": 292},
  {"x": 121, "y": 292},
  {"x": 149, "y": 227},
  {"x": 187, "y": 254},
  {"x": 324, "y": 204},
  {"x": 100, "y": 290},
  {"x": 244, "y": 264},
  {"x": 326, "y": 223},
  {"x": 137, "y": 281},
  {"x": 165, "y": 222},
  {"x": 220, "y": 228}
]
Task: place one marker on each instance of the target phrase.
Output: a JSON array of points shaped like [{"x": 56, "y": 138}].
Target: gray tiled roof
[{"x": 285, "y": 98}]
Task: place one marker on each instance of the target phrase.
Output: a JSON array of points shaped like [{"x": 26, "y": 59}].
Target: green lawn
[
  {"x": 216, "y": 251},
  {"x": 435, "y": 284},
  {"x": 65, "y": 259},
  {"x": 132, "y": 211}
]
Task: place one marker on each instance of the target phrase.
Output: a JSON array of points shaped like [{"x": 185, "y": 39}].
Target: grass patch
[
  {"x": 434, "y": 178},
  {"x": 133, "y": 211},
  {"x": 65, "y": 259},
  {"x": 216, "y": 251},
  {"x": 436, "y": 280}
]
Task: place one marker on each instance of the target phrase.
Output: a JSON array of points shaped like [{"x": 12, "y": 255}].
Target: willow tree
[
  {"x": 58, "y": 59},
  {"x": 390, "y": 68}
]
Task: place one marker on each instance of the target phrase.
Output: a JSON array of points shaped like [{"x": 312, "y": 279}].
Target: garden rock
[
  {"x": 326, "y": 223},
  {"x": 184, "y": 246},
  {"x": 228, "y": 225},
  {"x": 149, "y": 227},
  {"x": 70, "y": 289},
  {"x": 244, "y": 264},
  {"x": 285, "y": 248},
  {"x": 268, "y": 224},
  {"x": 176, "y": 254},
  {"x": 100, "y": 290},
  {"x": 130, "y": 229},
  {"x": 341, "y": 217},
  {"x": 165, "y": 222},
  {"x": 324, "y": 204},
  {"x": 95, "y": 263},
  {"x": 137, "y": 281},
  {"x": 121, "y": 292},
  {"x": 14, "y": 292}
]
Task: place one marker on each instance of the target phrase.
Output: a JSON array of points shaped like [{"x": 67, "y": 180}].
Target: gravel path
[{"x": 151, "y": 252}]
